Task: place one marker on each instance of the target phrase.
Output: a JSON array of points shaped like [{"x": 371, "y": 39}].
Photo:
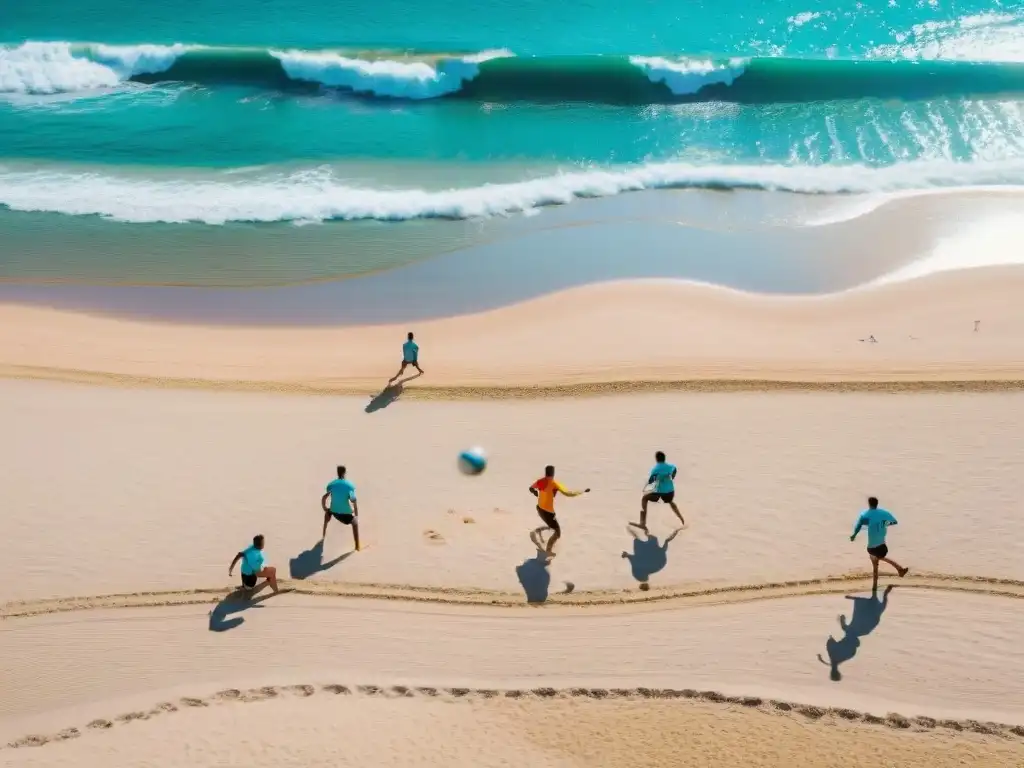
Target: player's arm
[
  {"x": 355, "y": 504},
  {"x": 234, "y": 562},
  {"x": 562, "y": 489},
  {"x": 323, "y": 502},
  {"x": 890, "y": 520},
  {"x": 856, "y": 529},
  {"x": 651, "y": 479},
  {"x": 533, "y": 489}
]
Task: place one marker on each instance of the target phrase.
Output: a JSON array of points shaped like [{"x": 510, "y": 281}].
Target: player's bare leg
[
  {"x": 678, "y": 513},
  {"x": 550, "y": 549},
  {"x": 899, "y": 568}
]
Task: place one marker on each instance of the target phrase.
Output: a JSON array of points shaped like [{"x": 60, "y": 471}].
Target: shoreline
[{"x": 350, "y": 274}]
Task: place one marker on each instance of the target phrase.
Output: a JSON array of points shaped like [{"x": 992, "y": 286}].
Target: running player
[
  {"x": 877, "y": 521},
  {"x": 410, "y": 356},
  {"x": 545, "y": 490},
  {"x": 344, "y": 508},
  {"x": 663, "y": 478},
  {"x": 253, "y": 567}
]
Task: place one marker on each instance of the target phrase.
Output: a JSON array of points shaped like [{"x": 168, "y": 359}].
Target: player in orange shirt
[{"x": 545, "y": 490}]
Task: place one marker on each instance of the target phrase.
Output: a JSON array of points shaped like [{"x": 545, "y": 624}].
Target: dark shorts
[
  {"x": 550, "y": 520},
  {"x": 665, "y": 497},
  {"x": 249, "y": 580},
  {"x": 879, "y": 551},
  {"x": 411, "y": 362},
  {"x": 344, "y": 519}
]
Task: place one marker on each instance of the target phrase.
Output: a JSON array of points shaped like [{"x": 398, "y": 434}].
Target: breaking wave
[{"x": 322, "y": 195}]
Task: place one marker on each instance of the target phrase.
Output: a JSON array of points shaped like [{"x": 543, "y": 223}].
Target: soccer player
[
  {"x": 410, "y": 356},
  {"x": 343, "y": 507},
  {"x": 663, "y": 478},
  {"x": 877, "y": 521},
  {"x": 545, "y": 490},
  {"x": 252, "y": 565}
]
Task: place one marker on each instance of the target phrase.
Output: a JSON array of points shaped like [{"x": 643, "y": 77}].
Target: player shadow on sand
[
  {"x": 535, "y": 577},
  {"x": 242, "y": 599},
  {"x": 867, "y": 614},
  {"x": 389, "y": 394},
  {"x": 649, "y": 555},
  {"x": 311, "y": 561}
]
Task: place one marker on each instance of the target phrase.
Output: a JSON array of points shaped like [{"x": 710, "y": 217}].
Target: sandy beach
[
  {"x": 619, "y": 335},
  {"x": 141, "y": 456}
]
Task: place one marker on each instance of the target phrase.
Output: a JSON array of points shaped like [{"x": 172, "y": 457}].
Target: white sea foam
[
  {"x": 688, "y": 76},
  {"x": 979, "y": 37},
  {"x": 386, "y": 78},
  {"x": 132, "y": 60},
  {"x": 321, "y": 195},
  {"x": 803, "y": 18},
  {"x": 36, "y": 68}
]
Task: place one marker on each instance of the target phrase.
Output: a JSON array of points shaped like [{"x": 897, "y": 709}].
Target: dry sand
[
  {"x": 617, "y": 335},
  {"x": 149, "y": 490},
  {"x": 120, "y": 643}
]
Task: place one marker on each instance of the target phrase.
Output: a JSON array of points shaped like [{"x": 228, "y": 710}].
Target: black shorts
[
  {"x": 249, "y": 580},
  {"x": 665, "y": 497},
  {"x": 343, "y": 518},
  {"x": 550, "y": 520},
  {"x": 411, "y": 362},
  {"x": 880, "y": 551}
]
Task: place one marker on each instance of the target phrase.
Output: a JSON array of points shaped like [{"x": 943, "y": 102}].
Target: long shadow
[
  {"x": 534, "y": 576},
  {"x": 867, "y": 614},
  {"x": 311, "y": 561},
  {"x": 389, "y": 394},
  {"x": 649, "y": 555},
  {"x": 222, "y": 617}
]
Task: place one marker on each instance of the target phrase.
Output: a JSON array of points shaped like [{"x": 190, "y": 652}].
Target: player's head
[
  {"x": 341, "y": 472},
  {"x": 410, "y": 335},
  {"x": 659, "y": 456},
  {"x": 549, "y": 471},
  {"x": 873, "y": 502},
  {"x": 257, "y": 541}
]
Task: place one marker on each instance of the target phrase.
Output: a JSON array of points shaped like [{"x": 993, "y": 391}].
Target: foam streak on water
[{"x": 320, "y": 195}]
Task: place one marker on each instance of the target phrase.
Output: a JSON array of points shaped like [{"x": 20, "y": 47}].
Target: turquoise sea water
[{"x": 157, "y": 119}]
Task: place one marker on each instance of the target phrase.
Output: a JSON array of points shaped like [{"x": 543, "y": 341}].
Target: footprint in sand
[
  {"x": 433, "y": 536},
  {"x": 468, "y": 520}
]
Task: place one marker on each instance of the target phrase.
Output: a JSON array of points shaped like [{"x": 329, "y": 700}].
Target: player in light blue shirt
[
  {"x": 663, "y": 479},
  {"x": 410, "y": 356},
  {"x": 343, "y": 505},
  {"x": 877, "y": 521},
  {"x": 253, "y": 567}
]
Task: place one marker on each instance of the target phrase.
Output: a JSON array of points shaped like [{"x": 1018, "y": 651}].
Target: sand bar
[{"x": 627, "y": 335}]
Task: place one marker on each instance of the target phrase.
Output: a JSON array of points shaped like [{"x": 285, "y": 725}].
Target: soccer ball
[{"x": 473, "y": 461}]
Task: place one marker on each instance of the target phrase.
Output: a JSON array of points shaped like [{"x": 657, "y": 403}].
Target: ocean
[{"x": 270, "y": 143}]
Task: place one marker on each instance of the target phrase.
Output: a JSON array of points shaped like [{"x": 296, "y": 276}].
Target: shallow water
[{"x": 144, "y": 144}]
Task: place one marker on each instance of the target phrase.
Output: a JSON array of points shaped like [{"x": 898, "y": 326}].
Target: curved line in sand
[
  {"x": 768, "y": 706},
  {"x": 513, "y": 391},
  {"x": 671, "y": 597}
]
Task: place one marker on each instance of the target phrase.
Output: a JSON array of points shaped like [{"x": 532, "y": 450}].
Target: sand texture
[
  {"x": 751, "y": 636},
  {"x": 624, "y": 336},
  {"x": 446, "y": 641}
]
